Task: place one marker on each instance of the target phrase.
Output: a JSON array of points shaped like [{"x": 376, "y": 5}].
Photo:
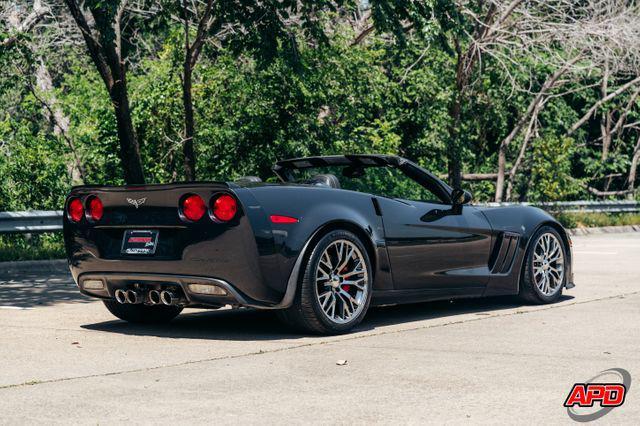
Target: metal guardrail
[
  {"x": 34, "y": 221},
  {"x": 50, "y": 221},
  {"x": 581, "y": 206}
]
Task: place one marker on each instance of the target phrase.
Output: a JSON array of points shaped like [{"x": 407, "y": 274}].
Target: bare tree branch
[{"x": 599, "y": 103}]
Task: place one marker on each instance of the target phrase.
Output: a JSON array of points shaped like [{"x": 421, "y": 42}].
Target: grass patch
[
  {"x": 31, "y": 246},
  {"x": 592, "y": 220}
]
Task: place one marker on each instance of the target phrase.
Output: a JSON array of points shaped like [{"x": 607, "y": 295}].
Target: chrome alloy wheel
[
  {"x": 548, "y": 264},
  {"x": 342, "y": 281}
]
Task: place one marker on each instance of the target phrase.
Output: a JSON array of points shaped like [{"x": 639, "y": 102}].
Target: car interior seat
[{"x": 325, "y": 180}]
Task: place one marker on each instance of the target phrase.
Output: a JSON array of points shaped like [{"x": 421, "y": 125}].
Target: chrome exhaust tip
[
  {"x": 121, "y": 296},
  {"x": 134, "y": 297},
  {"x": 169, "y": 298},
  {"x": 154, "y": 297}
]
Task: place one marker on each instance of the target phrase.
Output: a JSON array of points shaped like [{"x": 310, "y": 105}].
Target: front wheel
[
  {"x": 336, "y": 286},
  {"x": 142, "y": 313},
  {"x": 544, "y": 271}
]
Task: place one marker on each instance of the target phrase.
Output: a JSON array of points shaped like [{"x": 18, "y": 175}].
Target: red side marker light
[
  {"x": 193, "y": 207},
  {"x": 75, "y": 210},
  {"x": 95, "y": 209},
  {"x": 276, "y": 218}
]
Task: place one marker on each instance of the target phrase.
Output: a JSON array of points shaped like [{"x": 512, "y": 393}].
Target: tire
[
  {"x": 142, "y": 314},
  {"x": 306, "y": 312},
  {"x": 530, "y": 281}
]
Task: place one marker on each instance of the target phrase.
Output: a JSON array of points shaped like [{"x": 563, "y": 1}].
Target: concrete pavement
[{"x": 64, "y": 359}]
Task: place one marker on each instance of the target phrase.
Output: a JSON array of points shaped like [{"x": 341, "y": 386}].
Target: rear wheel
[
  {"x": 142, "y": 313},
  {"x": 336, "y": 286},
  {"x": 544, "y": 272}
]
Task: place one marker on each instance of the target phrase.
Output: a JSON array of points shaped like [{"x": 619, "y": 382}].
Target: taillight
[
  {"x": 224, "y": 208},
  {"x": 193, "y": 207},
  {"x": 94, "y": 208},
  {"x": 75, "y": 210}
]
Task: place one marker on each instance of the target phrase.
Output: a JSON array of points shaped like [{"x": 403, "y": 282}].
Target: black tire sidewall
[{"x": 310, "y": 280}]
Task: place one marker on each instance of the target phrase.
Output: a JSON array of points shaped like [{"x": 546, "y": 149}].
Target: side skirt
[{"x": 390, "y": 297}]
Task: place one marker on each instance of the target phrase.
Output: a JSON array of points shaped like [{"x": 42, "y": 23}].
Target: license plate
[{"x": 139, "y": 242}]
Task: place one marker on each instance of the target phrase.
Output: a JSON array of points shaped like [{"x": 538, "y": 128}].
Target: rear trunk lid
[
  {"x": 205, "y": 248},
  {"x": 148, "y": 207}
]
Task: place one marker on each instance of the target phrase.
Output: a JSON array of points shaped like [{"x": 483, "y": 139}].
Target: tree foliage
[{"x": 289, "y": 81}]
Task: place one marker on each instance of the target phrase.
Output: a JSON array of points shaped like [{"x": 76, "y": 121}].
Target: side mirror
[{"x": 460, "y": 197}]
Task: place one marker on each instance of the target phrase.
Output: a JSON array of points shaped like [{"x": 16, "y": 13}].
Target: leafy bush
[
  {"x": 31, "y": 247},
  {"x": 591, "y": 220}
]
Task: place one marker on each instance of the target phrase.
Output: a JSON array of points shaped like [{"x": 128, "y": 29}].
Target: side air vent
[{"x": 504, "y": 252}]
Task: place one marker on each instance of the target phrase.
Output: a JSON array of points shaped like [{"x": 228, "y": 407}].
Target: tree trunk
[
  {"x": 502, "y": 163},
  {"x": 129, "y": 148},
  {"x": 189, "y": 122},
  {"x": 634, "y": 168},
  {"x": 605, "y": 121},
  {"x": 454, "y": 167},
  {"x": 59, "y": 120},
  {"x": 605, "y": 130},
  {"x": 106, "y": 55}
]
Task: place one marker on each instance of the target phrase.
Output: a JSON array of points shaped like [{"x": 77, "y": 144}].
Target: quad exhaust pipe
[
  {"x": 121, "y": 296},
  {"x": 129, "y": 296},
  {"x": 135, "y": 297},
  {"x": 156, "y": 297},
  {"x": 169, "y": 298}
]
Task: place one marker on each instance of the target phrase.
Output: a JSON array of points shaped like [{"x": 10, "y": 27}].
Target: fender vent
[{"x": 504, "y": 252}]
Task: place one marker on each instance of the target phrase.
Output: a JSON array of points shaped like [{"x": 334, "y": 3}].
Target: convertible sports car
[{"x": 338, "y": 234}]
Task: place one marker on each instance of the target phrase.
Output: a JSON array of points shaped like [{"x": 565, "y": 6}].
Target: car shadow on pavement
[
  {"x": 34, "y": 289},
  {"x": 249, "y": 324}
]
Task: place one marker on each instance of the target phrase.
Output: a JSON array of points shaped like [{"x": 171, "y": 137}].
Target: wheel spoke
[
  {"x": 345, "y": 260},
  {"x": 346, "y": 296},
  {"x": 332, "y": 307},
  {"x": 324, "y": 299},
  {"x": 322, "y": 275},
  {"x": 352, "y": 273},
  {"x": 357, "y": 283}
]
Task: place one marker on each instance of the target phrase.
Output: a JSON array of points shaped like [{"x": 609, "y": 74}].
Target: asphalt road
[{"x": 64, "y": 359}]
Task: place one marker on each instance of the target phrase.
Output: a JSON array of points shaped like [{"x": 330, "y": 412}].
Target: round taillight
[
  {"x": 224, "y": 208},
  {"x": 193, "y": 207},
  {"x": 75, "y": 210},
  {"x": 94, "y": 208}
]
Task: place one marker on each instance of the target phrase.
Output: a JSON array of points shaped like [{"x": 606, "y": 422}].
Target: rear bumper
[{"x": 114, "y": 281}]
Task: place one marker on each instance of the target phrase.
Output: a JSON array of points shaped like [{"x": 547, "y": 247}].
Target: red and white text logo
[
  {"x": 588, "y": 394},
  {"x": 596, "y": 397}
]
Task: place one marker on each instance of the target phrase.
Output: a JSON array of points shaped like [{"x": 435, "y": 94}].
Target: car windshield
[{"x": 386, "y": 181}]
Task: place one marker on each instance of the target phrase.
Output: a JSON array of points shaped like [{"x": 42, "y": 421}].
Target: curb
[
  {"x": 604, "y": 230},
  {"x": 56, "y": 265}
]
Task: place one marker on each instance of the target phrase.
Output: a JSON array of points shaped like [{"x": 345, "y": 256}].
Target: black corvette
[{"x": 338, "y": 234}]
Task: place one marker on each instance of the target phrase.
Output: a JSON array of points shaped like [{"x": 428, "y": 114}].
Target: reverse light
[
  {"x": 93, "y": 285},
  {"x": 211, "y": 290},
  {"x": 193, "y": 207},
  {"x": 95, "y": 209},
  {"x": 224, "y": 208},
  {"x": 75, "y": 210},
  {"x": 276, "y": 218}
]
